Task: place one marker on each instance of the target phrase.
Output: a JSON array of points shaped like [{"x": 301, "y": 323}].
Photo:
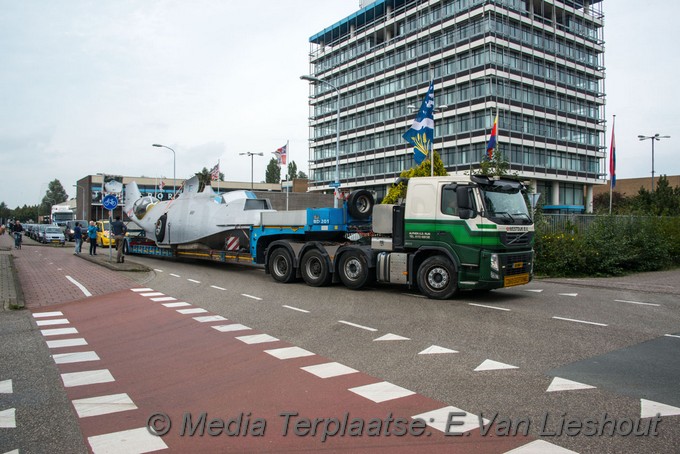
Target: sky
[{"x": 87, "y": 86}]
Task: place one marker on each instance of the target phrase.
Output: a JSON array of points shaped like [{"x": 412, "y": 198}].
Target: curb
[{"x": 13, "y": 298}]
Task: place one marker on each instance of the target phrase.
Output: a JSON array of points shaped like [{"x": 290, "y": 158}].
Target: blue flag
[{"x": 421, "y": 134}]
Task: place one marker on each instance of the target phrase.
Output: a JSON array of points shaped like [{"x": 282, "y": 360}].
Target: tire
[
  {"x": 280, "y": 265},
  {"x": 437, "y": 278},
  {"x": 354, "y": 271},
  {"x": 360, "y": 204},
  {"x": 314, "y": 269},
  {"x": 160, "y": 227}
]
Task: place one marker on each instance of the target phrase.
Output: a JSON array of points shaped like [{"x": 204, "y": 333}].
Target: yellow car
[{"x": 104, "y": 236}]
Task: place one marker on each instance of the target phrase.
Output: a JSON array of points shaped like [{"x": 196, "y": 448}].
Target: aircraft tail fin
[{"x": 132, "y": 194}]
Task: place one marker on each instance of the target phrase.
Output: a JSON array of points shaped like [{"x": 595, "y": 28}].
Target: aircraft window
[{"x": 256, "y": 204}]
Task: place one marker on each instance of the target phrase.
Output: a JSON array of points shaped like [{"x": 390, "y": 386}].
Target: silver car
[{"x": 53, "y": 235}]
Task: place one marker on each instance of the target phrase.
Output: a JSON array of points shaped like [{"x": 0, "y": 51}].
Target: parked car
[
  {"x": 70, "y": 225},
  {"x": 37, "y": 232},
  {"x": 52, "y": 234},
  {"x": 104, "y": 236}
]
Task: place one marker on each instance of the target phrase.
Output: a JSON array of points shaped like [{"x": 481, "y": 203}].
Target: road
[{"x": 550, "y": 357}]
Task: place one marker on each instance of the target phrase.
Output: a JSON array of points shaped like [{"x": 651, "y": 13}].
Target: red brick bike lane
[{"x": 136, "y": 357}]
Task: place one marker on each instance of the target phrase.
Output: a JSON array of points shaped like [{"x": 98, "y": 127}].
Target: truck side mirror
[{"x": 466, "y": 208}]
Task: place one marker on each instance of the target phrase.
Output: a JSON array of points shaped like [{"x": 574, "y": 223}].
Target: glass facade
[{"x": 538, "y": 65}]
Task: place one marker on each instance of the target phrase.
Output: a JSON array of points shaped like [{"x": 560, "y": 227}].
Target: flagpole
[
  {"x": 218, "y": 176},
  {"x": 611, "y": 177},
  {"x": 287, "y": 160}
]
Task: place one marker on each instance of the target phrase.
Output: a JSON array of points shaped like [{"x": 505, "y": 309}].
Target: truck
[
  {"x": 449, "y": 233},
  {"x": 60, "y": 214}
]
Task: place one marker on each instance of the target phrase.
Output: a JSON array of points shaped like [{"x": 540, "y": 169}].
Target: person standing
[
  {"x": 78, "y": 237},
  {"x": 92, "y": 235},
  {"x": 118, "y": 229}
]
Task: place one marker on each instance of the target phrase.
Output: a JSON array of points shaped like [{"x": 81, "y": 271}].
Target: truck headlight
[{"x": 494, "y": 262}]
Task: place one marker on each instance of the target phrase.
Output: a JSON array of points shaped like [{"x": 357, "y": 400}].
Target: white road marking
[
  {"x": 145, "y": 289},
  {"x": 153, "y": 294},
  {"x": 103, "y": 405},
  {"x": 58, "y": 331},
  {"x": 672, "y": 335},
  {"x": 289, "y": 352},
  {"x": 367, "y": 328},
  {"x": 329, "y": 370},
  {"x": 156, "y": 269},
  {"x": 8, "y": 419},
  {"x": 296, "y": 309},
  {"x": 540, "y": 446},
  {"x": 82, "y": 288},
  {"x": 175, "y": 275},
  {"x": 649, "y": 408},
  {"x": 568, "y": 294},
  {"x": 177, "y": 304},
  {"x": 229, "y": 328},
  {"x": 159, "y": 299},
  {"x": 534, "y": 290},
  {"x": 218, "y": 288},
  {"x": 195, "y": 310},
  {"x": 194, "y": 281},
  {"x": 75, "y": 342},
  {"x": 637, "y": 302},
  {"x": 76, "y": 357},
  {"x": 6, "y": 387},
  {"x": 133, "y": 440},
  {"x": 257, "y": 339},
  {"x": 48, "y": 314},
  {"x": 210, "y": 318},
  {"x": 436, "y": 349},
  {"x": 489, "y": 307},
  {"x": 251, "y": 297},
  {"x": 562, "y": 384},
  {"x": 490, "y": 364},
  {"x": 54, "y": 321},
  {"x": 391, "y": 337},
  {"x": 88, "y": 377},
  {"x": 381, "y": 392},
  {"x": 580, "y": 321}
]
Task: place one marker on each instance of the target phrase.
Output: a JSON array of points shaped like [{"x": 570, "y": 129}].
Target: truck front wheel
[
  {"x": 281, "y": 266},
  {"x": 314, "y": 269},
  {"x": 354, "y": 270},
  {"x": 437, "y": 278}
]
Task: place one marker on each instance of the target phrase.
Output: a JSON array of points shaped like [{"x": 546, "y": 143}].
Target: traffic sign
[{"x": 110, "y": 202}]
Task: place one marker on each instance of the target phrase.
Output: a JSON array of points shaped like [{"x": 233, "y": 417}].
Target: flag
[
  {"x": 215, "y": 172},
  {"x": 491, "y": 146},
  {"x": 281, "y": 155},
  {"x": 612, "y": 157},
  {"x": 421, "y": 134},
  {"x": 161, "y": 185}
]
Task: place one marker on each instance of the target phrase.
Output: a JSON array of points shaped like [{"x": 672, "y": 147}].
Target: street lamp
[
  {"x": 653, "y": 138},
  {"x": 174, "y": 162},
  {"x": 251, "y": 154},
  {"x": 336, "y": 185},
  {"x": 83, "y": 198}
]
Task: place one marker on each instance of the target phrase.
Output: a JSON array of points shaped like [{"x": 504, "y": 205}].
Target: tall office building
[{"x": 537, "y": 64}]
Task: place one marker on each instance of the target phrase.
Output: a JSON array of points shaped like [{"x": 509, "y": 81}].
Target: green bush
[{"x": 610, "y": 246}]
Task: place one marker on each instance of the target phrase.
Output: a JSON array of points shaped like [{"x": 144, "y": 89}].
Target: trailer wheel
[
  {"x": 314, "y": 269},
  {"x": 281, "y": 266},
  {"x": 437, "y": 278},
  {"x": 360, "y": 204},
  {"x": 160, "y": 227},
  {"x": 354, "y": 270}
]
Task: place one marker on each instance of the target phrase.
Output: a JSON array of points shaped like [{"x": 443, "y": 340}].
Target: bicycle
[{"x": 17, "y": 240}]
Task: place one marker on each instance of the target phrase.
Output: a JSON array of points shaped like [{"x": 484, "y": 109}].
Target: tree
[
  {"x": 292, "y": 170},
  {"x": 205, "y": 178},
  {"x": 54, "y": 195},
  {"x": 496, "y": 166},
  {"x": 301, "y": 175},
  {"x": 273, "y": 172},
  {"x": 398, "y": 191},
  {"x": 5, "y": 212}
]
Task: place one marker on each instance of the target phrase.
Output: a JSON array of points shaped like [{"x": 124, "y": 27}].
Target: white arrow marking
[
  {"x": 494, "y": 365},
  {"x": 562, "y": 384}
]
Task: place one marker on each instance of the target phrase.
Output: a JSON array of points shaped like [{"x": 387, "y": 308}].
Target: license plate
[
  {"x": 518, "y": 279},
  {"x": 56, "y": 241}
]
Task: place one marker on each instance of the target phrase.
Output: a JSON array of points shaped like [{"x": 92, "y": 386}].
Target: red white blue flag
[
  {"x": 281, "y": 155},
  {"x": 612, "y": 157},
  {"x": 491, "y": 146}
]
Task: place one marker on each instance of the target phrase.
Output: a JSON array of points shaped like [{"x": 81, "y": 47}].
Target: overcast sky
[{"x": 87, "y": 86}]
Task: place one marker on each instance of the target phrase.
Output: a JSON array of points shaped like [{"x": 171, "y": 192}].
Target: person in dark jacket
[
  {"x": 118, "y": 229},
  {"x": 78, "y": 237}
]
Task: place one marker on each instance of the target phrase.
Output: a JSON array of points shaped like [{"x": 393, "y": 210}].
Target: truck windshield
[{"x": 505, "y": 206}]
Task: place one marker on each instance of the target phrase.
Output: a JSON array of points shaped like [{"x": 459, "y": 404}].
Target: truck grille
[
  {"x": 517, "y": 238},
  {"x": 516, "y": 263}
]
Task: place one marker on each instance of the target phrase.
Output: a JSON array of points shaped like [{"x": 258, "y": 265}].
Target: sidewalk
[
  {"x": 667, "y": 282},
  {"x": 11, "y": 294}
]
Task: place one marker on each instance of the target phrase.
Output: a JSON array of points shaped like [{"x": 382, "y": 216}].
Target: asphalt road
[{"x": 555, "y": 355}]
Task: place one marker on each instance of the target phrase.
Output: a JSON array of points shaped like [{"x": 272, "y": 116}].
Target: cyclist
[{"x": 18, "y": 231}]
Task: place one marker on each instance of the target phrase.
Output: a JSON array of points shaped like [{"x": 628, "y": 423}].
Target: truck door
[{"x": 457, "y": 222}]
